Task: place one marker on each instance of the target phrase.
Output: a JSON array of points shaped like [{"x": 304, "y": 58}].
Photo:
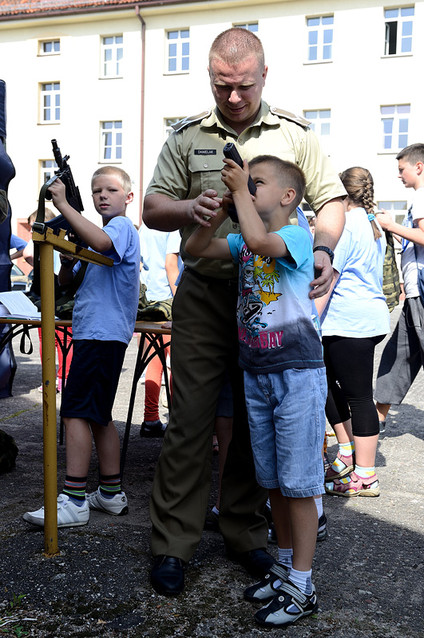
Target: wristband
[{"x": 325, "y": 249}]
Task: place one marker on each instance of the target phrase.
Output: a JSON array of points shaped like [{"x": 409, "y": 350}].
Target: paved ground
[{"x": 369, "y": 574}]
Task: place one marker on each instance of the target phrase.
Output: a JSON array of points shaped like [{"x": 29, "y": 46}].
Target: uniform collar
[{"x": 213, "y": 119}]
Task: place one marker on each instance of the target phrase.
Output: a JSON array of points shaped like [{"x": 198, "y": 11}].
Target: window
[
  {"x": 111, "y": 144},
  {"x": 112, "y": 52},
  {"x": 320, "y": 38},
  {"x": 178, "y": 51},
  {"x": 395, "y": 121},
  {"x": 397, "y": 209},
  {"x": 320, "y": 121},
  {"x": 50, "y": 102},
  {"x": 398, "y": 35},
  {"x": 49, "y": 47},
  {"x": 250, "y": 26},
  {"x": 48, "y": 167}
]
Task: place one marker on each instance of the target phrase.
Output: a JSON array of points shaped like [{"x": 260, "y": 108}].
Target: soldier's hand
[
  {"x": 323, "y": 275},
  {"x": 206, "y": 204}
]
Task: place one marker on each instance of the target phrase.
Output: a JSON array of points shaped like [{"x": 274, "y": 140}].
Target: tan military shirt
[{"x": 191, "y": 161}]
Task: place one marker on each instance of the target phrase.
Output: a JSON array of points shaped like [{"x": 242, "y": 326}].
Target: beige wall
[{"x": 353, "y": 85}]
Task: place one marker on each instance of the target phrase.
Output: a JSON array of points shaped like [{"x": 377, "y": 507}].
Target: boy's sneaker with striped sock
[
  {"x": 117, "y": 506},
  {"x": 68, "y": 513}
]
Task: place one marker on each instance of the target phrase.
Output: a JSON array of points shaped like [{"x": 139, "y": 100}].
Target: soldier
[{"x": 185, "y": 188}]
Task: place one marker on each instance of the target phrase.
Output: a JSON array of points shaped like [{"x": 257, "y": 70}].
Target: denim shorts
[{"x": 286, "y": 412}]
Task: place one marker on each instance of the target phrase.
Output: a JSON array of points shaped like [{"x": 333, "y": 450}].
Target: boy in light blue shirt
[
  {"x": 103, "y": 323},
  {"x": 285, "y": 381}
]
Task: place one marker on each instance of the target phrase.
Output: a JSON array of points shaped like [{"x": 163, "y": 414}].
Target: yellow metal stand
[{"x": 48, "y": 241}]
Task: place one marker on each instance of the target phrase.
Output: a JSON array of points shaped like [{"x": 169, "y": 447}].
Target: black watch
[{"x": 326, "y": 249}]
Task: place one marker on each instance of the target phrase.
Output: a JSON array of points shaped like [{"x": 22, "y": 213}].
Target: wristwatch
[{"x": 325, "y": 249}]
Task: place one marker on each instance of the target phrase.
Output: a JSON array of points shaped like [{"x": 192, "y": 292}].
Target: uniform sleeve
[{"x": 170, "y": 177}]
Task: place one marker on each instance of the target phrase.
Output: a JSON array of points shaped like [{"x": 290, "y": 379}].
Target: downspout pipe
[{"x": 142, "y": 83}]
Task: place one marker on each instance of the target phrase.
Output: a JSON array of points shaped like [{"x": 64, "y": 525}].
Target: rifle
[{"x": 73, "y": 198}]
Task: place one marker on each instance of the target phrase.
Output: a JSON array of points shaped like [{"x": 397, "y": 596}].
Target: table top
[{"x": 156, "y": 327}]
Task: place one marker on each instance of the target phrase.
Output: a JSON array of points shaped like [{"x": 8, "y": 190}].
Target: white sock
[
  {"x": 319, "y": 506},
  {"x": 302, "y": 580},
  {"x": 285, "y": 556}
]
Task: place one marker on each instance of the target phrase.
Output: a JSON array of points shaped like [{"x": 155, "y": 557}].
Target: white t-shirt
[
  {"x": 410, "y": 256},
  {"x": 154, "y": 246}
]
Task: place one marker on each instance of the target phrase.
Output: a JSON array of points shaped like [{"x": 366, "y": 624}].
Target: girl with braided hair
[{"x": 354, "y": 319}]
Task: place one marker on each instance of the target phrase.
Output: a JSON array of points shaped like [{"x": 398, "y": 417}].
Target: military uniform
[{"x": 204, "y": 334}]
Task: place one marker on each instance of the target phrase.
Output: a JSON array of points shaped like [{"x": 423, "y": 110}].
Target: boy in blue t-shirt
[
  {"x": 281, "y": 355},
  {"x": 103, "y": 323}
]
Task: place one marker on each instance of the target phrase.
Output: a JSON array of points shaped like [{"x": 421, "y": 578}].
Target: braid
[{"x": 359, "y": 185}]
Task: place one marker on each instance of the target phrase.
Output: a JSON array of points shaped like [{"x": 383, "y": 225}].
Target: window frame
[
  {"x": 115, "y": 61},
  {"x": 43, "y": 42},
  {"x": 246, "y": 25},
  {"x": 396, "y": 131},
  {"x": 400, "y": 37},
  {"x": 179, "y": 56},
  {"x": 114, "y": 131},
  {"x": 54, "y": 93},
  {"x": 46, "y": 172},
  {"x": 320, "y": 43}
]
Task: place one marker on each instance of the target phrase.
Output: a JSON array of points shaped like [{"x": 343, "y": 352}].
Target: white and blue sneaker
[
  {"x": 267, "y": 588},
  {"x": 287, "y": 606},
  {"x": 68, "y": 514},
  {"x": 117, "y": 506}
]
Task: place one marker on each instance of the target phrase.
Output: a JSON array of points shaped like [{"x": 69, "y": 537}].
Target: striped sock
[
  {"x": 346, "y": 449},
  {"x": 75, "y": 487},
  {"x": 110, "y": 485},
  {"x": 364, "y": 472}
]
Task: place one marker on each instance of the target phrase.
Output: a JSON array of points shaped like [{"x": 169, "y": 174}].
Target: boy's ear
[
  {"x": 419, "y": 166},
  {"x": 288, "y": 196},
  {"x": 130, "y": 197}
]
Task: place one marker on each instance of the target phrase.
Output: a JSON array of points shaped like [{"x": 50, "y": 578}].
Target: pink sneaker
[
  {"x": 342, "y": 466},
  {"x": 354, "y": 485}
]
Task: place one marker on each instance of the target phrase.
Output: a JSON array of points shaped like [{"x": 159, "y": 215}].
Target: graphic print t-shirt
[{"x": 278, "y": 326}]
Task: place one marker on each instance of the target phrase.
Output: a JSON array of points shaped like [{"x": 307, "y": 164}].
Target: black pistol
[{"x": 230, "y": 152}]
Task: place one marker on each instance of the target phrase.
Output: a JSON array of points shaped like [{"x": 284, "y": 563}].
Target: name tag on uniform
[{"x": 205, "y": 151}]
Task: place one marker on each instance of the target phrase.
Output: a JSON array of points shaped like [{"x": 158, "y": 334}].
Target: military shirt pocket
[{"x": 205, "y": 171}]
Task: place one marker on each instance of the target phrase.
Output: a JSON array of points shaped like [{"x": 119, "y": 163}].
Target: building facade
[{"x": 107, "y": 80}]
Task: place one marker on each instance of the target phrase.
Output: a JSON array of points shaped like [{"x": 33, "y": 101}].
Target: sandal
[
  {"x": 354, "y": 485},
  {"x": 342, "y": 466}
]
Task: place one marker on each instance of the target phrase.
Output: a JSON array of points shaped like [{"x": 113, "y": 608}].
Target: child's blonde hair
[
  {"x": 48, "y": 214},
  {"x": 359, "y": 186},
  {"x": 123, "y": 177}
]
